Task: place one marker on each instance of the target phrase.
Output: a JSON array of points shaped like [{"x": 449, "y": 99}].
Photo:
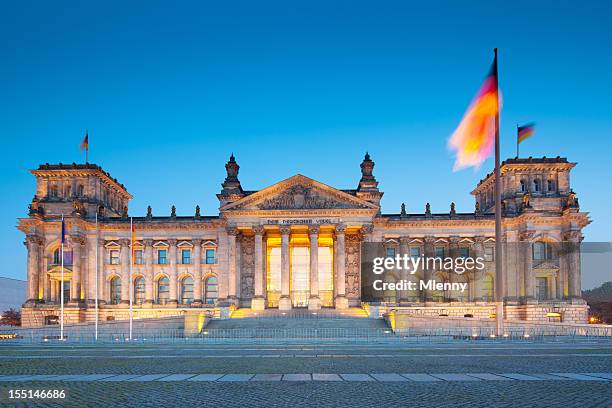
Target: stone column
[
  {"x": 529, "y": 276},
  {"x": 285, "y": 301},
  {"x": 125, "y": 270},
  {"x": 404, "y": 272},
  {"x": 478, "y": 275},
  {"x": 197, "y": 271},
  {"x": 340, "y": 256},
  {"x": 76, "y": 242},
  {"x": 572, "y": 243},
  {"x": 232, "y": 233},
  {"x": 33, "y": 242},
  {"x": 428, "y": 252},
  {"x": 148, "y": 268},
  {"x": 259, "y": 301},
  {"x": 173, "y": 295},
  {"x": 314, "y": 302}
]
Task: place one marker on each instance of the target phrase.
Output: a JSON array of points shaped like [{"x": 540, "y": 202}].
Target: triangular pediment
[{"x": 299, "y": 193}]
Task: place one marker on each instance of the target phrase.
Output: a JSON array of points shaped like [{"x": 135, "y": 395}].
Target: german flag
[
  {"x": 474, "y": 138},
  {"x": 525, "y": 132}
]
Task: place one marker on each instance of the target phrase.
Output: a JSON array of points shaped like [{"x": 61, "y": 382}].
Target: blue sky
[{"x": 168, "y": 92}]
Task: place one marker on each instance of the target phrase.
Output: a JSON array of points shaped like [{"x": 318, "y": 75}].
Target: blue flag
[{"x": 63, "y": 231}]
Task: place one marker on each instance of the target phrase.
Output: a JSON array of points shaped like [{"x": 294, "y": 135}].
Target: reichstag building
[{"x": 295, "y": 244}]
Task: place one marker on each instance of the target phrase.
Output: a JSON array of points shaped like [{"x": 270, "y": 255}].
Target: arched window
[
  {"x": 67, "y": 191},
  {"x": 523, "y": 186},
  {"x": 487, "y": 288},
  {"x": 542, "y": 251},
  {"x": 187, "y": 290},
  {"x": 115, "y": 290},
  {"x": 211, "y": 291},
  {"x": 80, "y": 190},
  {"x": 53, "y": 191},
  {"x": 57, "y": 258},
  {"x": 163, "y": 290},
  {"x": 550, "y": 185},
  {"x": 139, "y": 290},
  {"x": 536, "y": 186}
]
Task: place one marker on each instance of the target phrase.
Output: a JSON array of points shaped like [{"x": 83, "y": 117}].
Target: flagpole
[
  {"x": 96, "y": 281},
  {"x": 131, "y": 261},
  {"x": 517, "y": 141},
  {"x": 87, "y": 148},
  {"x": 499, "y": 281},
  {"x": 62, "y": 283}
]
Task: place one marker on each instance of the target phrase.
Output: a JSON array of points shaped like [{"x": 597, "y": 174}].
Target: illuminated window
[
  {"x": 138, "y": 259},
  {"x": 210, "y": 257},
  {"x": 114, "y": 256},
  {"x": 139, "y": 290},
  {"x": 542, "y": 251},
  {"x": 536, "y": 186},
  {"x": 210, "y": 290},
  {"x": 489, "y": 254},
  {"x": 187, "y": 290},
  {"x": 115, "y": 290},
  {"x": 163, "y": 290},
  {"x": 185, "y": 256},
  {"x": 162, "y": 257}
]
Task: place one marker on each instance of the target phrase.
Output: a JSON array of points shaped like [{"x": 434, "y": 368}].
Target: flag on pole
[
  {"x": 474, "y": 138},
  {"x": 525, "y": 131},
  {"x": 85, "y": 146},
  {"x": 63, "y": 231}
]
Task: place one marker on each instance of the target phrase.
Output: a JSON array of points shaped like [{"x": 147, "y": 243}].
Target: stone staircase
[{"x": 298, "y": 323}]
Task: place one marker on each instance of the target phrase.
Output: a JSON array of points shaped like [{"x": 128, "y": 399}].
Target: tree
[{"x": 11, "y": 317}]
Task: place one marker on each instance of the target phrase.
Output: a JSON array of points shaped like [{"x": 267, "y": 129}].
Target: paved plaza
[{"x": 384, "y": 374}]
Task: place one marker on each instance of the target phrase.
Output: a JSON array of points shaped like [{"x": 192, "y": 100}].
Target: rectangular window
[
  {"x": 162, "y": 257},
  {"x": 464, "y": 252},
  {"x": 439, "y": 252},
  {"x": 390, "y": 252},
  {"x": 114, "y": 257},
  {"x": 210, "y": 257},
  {"x": 489, "y": 254},
  {"x": 415, "y": 252},
  {"x": 186, "y": 256},
  {"x": 542, "y": 288},
  {"x": 138, "y": 260}
]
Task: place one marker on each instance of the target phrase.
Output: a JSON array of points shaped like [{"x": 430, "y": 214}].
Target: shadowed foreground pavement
[{"x": 392, "y": 374}]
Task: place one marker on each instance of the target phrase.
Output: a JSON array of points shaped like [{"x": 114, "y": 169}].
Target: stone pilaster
[
  {"x": 33, "y": 244},
  {"x": 314, "y": 302},
  {"x": 232, "y": 233},
  {"x": 101, "y": 272},
  {"x": 428, "y": 252},
  {"x": 148, "y": 268},
  {"x": 404, "y": 272},
  {"x": 173, "y": 287},
  {"x": 341, "y": 301},
  {"x": 284, "y": 302},
  {"x": 125, "y": 270},
  {"x": 259, "y": 301}
]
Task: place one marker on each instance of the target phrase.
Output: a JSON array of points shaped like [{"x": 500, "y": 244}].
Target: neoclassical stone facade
[{"x": 297, "y": 243}]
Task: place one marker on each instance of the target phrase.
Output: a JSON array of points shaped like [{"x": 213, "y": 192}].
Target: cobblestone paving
[{"x": 555, "y": 375}]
